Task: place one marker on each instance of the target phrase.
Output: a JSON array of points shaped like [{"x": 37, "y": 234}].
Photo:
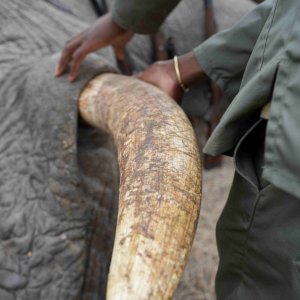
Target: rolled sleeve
[
  {"x": 224, "y": 57},
  {"x": 142, "y": 16}
]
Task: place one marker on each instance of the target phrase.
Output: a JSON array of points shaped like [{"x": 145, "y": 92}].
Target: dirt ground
[{"x": 198, "y": 280}]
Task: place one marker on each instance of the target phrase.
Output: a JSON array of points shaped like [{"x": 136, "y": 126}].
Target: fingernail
[{"x": 56, "y": 71}]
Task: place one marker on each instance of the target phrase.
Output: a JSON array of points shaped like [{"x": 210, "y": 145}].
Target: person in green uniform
[{"x": 256, "y": 63}]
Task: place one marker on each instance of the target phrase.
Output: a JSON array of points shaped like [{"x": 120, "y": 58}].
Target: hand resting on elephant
[
  {"x": 163, "y": 75},
  {"x": 102, "y": 33}
]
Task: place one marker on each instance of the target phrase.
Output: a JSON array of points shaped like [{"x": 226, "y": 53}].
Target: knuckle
[
  {"x": 76, "y": 56},
  {"x": 79, "y": 55},
  {"x": 68, "y": 48}
]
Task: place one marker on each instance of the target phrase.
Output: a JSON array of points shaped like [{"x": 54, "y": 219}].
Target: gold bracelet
[{"x": 178, "y": 76}]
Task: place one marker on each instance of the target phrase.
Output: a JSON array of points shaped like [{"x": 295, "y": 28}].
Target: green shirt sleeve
[
  {"x": 141, "y": 16},
  {"x": 224, "y": 57}
]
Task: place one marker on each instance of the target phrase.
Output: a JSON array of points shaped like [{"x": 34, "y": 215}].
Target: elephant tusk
[{"x": 160, "y": 184}]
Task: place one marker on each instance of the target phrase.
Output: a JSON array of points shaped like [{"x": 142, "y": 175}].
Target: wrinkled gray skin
[{"x": 59, "y": 180}]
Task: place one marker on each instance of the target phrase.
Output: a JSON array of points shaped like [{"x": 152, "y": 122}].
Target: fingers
[
  {"x": 119, "y": 51},
  {"x": 120, "y": 44},
  {"x": 77, "y": 58},
  {"x": 102, "y": 33},
  {"x": 67, "y": 54}
]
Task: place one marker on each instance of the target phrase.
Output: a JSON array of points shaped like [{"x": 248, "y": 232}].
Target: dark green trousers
[{"x": 258, "y": 233}]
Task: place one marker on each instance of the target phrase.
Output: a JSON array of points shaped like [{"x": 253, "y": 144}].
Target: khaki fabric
[
  {"x": 256, "y": 61},
  {"x": 258, "y": 231}
]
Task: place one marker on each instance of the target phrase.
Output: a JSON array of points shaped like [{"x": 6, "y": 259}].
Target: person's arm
[
  {"x": 223, "y": 57},
  {"x": 138, "y": 16},
  {"x": 102, "y": 33},
  {"x": 163, "y": 75}
]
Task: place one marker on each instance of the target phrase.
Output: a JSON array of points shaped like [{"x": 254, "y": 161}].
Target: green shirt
[{"x": 255, "y": 61}]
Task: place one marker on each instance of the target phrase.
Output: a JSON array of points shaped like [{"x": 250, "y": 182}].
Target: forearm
[{"x": 190, "y": 70}]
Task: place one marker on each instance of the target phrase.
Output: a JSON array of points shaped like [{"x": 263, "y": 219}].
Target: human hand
[
  {"x": 162, "y": 75},
  {"x": 102, "y": 33}
]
